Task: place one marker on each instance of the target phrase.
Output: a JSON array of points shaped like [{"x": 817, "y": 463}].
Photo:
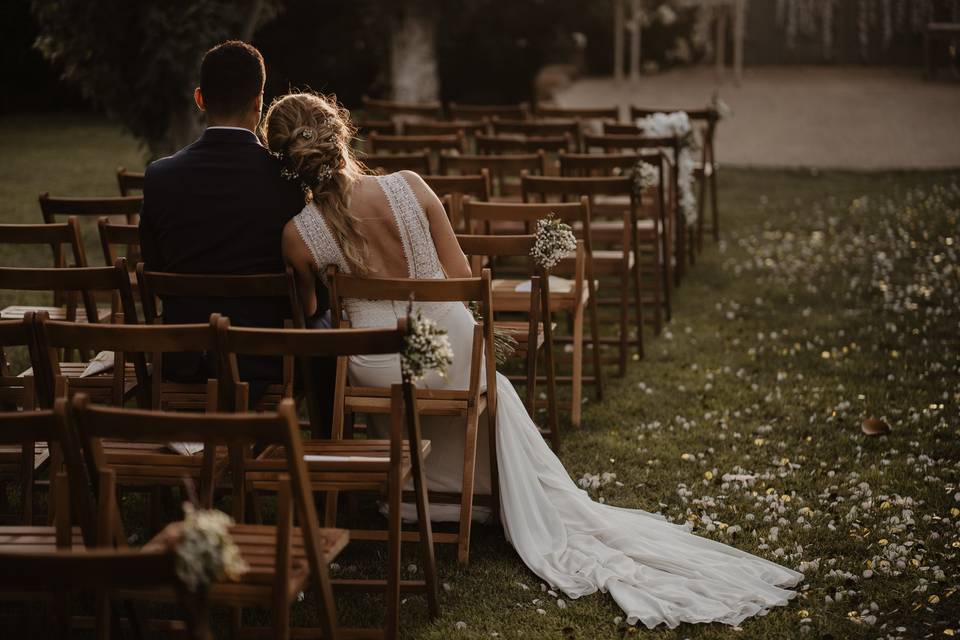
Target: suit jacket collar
[{"x": 229, "y": 135}]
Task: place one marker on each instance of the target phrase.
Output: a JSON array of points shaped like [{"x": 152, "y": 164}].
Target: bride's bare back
[{"x": 385, "y": 256}]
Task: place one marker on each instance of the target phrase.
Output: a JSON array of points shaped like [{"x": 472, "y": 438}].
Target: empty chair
[
  {"x": 453, "y": 189},
  {"x": 504, "y": 169},
  {"x": 284, "y": 559},
  {"x": 129, "y": 181},
  {"x": 575, "y": 294},
  {"x": 533, "y": 333},
  {"x": 58, "y": 236},
  {"x": 383, "y": 466},
  {"x": 706, "y": 170}
]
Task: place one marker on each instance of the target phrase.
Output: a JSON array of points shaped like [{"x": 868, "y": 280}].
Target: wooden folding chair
[
  {"x": 129, "y": 181},
  {"x": 469, "y": 403},
  {"x": 392, "y": 162},
  {"x": 17, "y": 393},
  {"x": 278, "y": 286},
  {"x": 534, "y": 332},
  {"x": 652, "y": 207},
  {"x": 453, "y": 189},
  {"x": 576, "y": 295},
  {"x": 126, "y": 206},
  {"x": 140, "y": 467},
  {"x": 464, "y": 111},
  {"x": 57, "y": 236},
  {"x": 455, "y": 142},
  {"x": 538, "y": 128},
  {"x": 638, "y": 143},
  {"x": 513, "y": 143},
  {"x": 627, "y": 247},
  {"x": 284, "y": 560},
  {"x": 381, "y": 466},
  {"x": 706, "y": 170},
  {"x": 504, "y": 169},
  {"x": 86, "y": 281},
  {"x": 393, "y": 108},
  {"x": 61, "y": 573}
]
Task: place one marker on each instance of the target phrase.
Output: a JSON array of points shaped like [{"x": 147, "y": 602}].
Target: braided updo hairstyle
[{"x": 311, "y": 134}]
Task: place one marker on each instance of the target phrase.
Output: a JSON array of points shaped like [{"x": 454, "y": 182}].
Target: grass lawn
[{"x": 832, "y": 298}]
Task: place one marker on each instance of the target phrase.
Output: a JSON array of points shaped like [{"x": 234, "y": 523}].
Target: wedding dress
[{"x": 658, "y": 572}]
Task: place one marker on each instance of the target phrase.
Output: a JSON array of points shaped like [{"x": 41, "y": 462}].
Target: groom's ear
[{"x": 198, "y": 98}]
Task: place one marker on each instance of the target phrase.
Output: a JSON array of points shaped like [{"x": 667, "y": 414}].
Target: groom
[{"x": 219, "y": 206}]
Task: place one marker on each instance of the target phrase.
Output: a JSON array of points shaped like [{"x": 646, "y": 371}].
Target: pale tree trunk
[{"x": 413, "y": 56}]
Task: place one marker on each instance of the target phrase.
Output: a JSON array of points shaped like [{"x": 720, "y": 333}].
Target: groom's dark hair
[{"x": 231, "y": 76}]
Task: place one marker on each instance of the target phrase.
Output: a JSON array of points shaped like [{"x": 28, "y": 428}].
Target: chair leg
[
  {"x": 624, "y": 319},
  {"x": 552, "y": 373},
  {"x": 714, "y": 211},
  {"x": 576, "y": 392},
  {"x": 595, "y": 338},
  {"x": 426, "y": 543},
  {"x": 392, "y": 625},
  {"x": 530, "y": 392},
  {"x": 330, "y": 508},
  {"x": 469, "y": 476}
]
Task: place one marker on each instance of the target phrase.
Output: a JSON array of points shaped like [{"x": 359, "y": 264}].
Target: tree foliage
[{"x": 139, "y": 61}]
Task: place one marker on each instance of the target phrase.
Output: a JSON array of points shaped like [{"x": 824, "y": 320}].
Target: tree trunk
[
  {"x": 185, "y": 126},
  {"x": 413, "y": 56}
]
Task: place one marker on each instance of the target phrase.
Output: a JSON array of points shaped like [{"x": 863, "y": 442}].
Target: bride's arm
[
  {"x": 454, "y": 263},
  {"x": 297, "y": 255}
]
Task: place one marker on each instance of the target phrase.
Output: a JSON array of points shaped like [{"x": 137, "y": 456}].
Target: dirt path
[{"x": 824, "y": 117}]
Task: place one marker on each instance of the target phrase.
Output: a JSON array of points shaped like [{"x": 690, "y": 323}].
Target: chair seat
[
  {"x": 147, "y": 464},
  {"x": 562, "y": 295},
  {"x": 358, "y": 465},
  {"x": 16, "y": 312},
  {"x": 519, "y": 330},
  {"x": 258, "y": 548},
  {"x": 430, "y": 402},
  {"x": 30, "y": 539},
  {"x": 10, "y": 457}
]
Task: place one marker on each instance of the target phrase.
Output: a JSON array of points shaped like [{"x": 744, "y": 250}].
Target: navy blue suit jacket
[{"x": 218, "y": 206}]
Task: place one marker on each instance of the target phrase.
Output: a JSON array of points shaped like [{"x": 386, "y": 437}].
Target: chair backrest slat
[
  {"x": 496, "y": 245},
  {"x": 585, "y": 113},
  {"x": 458, "y": 110},
  {"x": 55, "y": 234},
  {"x": 443, "y": 127},
  {"x": 500, "y": 164},
  {"x": 392, "y": 162},
  {"x": 51, "y": 207},
  {"x": 512, "y": 143},
  {"x": 409, "y": 144},
  {"x": 544, "y": 186}
]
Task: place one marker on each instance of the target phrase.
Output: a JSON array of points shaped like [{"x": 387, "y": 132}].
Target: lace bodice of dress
[{"x": 418, "y": 249}]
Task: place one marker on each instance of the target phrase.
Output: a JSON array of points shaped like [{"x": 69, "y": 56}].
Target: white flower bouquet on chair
[{"x": 661, "y": 125}]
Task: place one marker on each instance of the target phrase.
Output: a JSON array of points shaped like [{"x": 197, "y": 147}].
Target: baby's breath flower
[
  {"x": 206, "y": 552},
  {"x": 427, "y": 348},
  {"x": 555, "y": 239}
]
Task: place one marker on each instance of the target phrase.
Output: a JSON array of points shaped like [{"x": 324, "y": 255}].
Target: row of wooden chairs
[{"x": 382, "y": 466}]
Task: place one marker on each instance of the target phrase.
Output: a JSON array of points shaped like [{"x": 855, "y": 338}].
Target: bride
[{"x": 395, "y": 226}]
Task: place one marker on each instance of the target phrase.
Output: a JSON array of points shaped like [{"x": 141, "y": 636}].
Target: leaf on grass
[{"x": 875, "y": 427}]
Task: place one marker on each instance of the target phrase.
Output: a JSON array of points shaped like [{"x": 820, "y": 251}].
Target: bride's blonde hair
[{"x": 311, "y": 135}]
